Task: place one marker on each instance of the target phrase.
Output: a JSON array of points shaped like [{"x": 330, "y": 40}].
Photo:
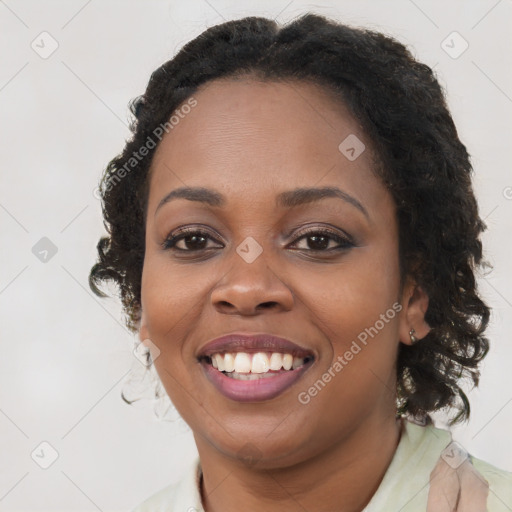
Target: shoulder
[
  {"x": 500, "y": 485},
  {"x": 499, "y": 497},
  {"x": 430, "y": 470},
  {"x": 182, "y": 496}
]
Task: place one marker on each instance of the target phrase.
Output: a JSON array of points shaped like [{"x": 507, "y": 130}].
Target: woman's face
[{"x": 318, "y": 269}]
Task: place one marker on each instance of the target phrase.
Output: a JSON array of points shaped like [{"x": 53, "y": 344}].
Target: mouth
[{"x": 253, "y": 368}]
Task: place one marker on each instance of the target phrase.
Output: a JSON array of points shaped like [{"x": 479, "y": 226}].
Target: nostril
[{"x": 268, "y": 305}]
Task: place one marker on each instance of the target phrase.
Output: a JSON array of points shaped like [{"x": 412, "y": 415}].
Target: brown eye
[
  {"x": 188, "y": 240},
  {"x": 320, "y": 240}
]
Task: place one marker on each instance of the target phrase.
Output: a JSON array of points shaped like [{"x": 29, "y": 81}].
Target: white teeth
[
  {"x": 250, "y": 376},
  {"x": 297, "y": 361},
  {"x": 240, "y": 363},
  {"x": 220, "y": 362},
  {"x": 229, "y": 362},
  {"x": 260, "y": 363},
  {"x": 287, "y": 361},
  {"x": 276, "y": 361}
]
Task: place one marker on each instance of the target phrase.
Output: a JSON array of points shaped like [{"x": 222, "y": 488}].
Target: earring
[{"x": 413, "y": 338}]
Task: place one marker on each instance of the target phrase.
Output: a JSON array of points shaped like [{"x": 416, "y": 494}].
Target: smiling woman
[{"x": 301, "y": 249}]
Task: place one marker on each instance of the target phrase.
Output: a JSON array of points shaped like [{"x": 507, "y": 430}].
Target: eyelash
[{"x": 182, "y": 233}]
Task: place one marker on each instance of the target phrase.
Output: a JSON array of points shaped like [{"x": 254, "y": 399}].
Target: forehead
[{"x": 246, "y": 136}]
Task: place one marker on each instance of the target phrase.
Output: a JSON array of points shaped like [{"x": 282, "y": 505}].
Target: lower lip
[{"x": 253, "y": 390}]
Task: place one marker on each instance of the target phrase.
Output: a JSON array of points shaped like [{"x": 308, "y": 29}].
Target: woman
[{"x": 295, "y": 237}]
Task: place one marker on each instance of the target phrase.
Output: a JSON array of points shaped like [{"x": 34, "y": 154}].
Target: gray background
[{"x": 65, "y": 353}]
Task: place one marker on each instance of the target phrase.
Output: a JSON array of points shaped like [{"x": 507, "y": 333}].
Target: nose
[{"x": 250, "y": 289}]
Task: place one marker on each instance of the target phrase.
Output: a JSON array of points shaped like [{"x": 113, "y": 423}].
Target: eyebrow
[{"x": 289, "y": 199}]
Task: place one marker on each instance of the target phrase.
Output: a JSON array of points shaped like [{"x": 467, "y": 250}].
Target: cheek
[
  {"x": 170, "y": 303},
  {"x": 345, "y": 299},
  {"x": 356, "y": 309}
]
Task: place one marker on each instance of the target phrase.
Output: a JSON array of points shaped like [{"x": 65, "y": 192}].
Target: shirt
[{"x": 426, "y": 467}]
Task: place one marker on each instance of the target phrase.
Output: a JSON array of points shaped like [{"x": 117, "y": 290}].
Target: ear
[{"x": 415, "y": 304}]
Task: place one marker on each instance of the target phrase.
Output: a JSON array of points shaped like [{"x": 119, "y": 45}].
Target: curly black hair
[{"x": 423, "y": 163}]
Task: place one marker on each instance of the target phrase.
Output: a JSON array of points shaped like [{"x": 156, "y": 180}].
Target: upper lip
[{"x": 238, "y": 342}]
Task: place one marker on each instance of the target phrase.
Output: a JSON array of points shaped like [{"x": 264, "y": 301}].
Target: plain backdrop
[{"x": 65, "y": 354}]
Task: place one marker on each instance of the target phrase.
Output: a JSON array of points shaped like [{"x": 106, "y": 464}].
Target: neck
[{"x": 343, "y": 478}]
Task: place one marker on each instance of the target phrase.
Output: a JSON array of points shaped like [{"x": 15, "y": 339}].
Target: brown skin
[{"x": 250, "y": 141}]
